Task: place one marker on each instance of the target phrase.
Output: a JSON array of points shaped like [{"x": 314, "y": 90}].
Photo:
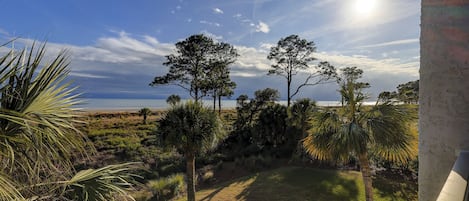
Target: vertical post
[{"x": 444, "y": 91}]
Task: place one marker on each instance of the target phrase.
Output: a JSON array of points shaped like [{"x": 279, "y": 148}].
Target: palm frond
[
  {"x": 8, "y": 190},
  {"x": 190, "y": 127},
  {"x": 107, "y": 183},
  {"x": 38, "y": 136},
  {"x": 390, "y": 126}
]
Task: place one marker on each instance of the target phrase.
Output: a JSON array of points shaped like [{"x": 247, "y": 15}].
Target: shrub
[{"x": 167, "y": 188}]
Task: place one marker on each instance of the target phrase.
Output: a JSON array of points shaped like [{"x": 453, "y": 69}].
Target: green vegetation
[
  {"x": 144, "y": 112},
  {"x": 297, "y": 183},
  {"x": 191, "y": 129},
  {"x": 39, "y": 138},
  {"x": 200, "y": 66},
  {"x": 407, "y": 93},
  {"x": 173, "y": 99},
  {"x": 383, "y": 129},
  {"x": 292, "y": 55},
  {"x": 48, "y": 150},
  {"x": 167, "y": 188}
]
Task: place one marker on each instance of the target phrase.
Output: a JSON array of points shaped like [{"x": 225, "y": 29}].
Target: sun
[{"x": 365, "y": 7}]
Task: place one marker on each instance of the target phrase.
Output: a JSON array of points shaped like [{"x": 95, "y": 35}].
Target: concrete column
[{"x": 444, "y": 91}]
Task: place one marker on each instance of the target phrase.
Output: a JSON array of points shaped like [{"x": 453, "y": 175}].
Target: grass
[
  {"x": 298, "y": 183},
  {"x": 122, "y": 137}
]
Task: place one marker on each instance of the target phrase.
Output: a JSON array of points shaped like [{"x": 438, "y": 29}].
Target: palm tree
[
  {"x": 38, "y": 137},
  {"x": 192, "y": 129},
  {"x": 144, "y": 112},
  {"x": 173, "y": 99},
  {"x": 299, "y": 117},
  {"x": 355, "y": 130}
]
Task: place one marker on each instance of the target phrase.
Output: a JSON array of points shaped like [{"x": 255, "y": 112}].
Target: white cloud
[
  {"x": 391, "y": 43},
  {"x": 189, "y": 20},
  {"x": 125, "y": 55},
  {"x": 3, "y": 32},
  {"x": 87, "y": 75},
  {"x": 251, "y": 61},
  {"x": 211, "y": 35},
  {"x": 262, "y": 27},
  {"x": 267, "y": 46},
  {"x": 370, "y": 65},
  {"x": 237, "y": 15},
  {"x": 210, "y": 23},
  {"x": 217, "y": 11}
]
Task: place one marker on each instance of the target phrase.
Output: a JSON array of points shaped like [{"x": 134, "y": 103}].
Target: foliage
[
  {"x": 293, "y": 55},
  {"x": 144, "y": 112},
  {"x": 93, "y": 184},
  {"x": 219, "y": 82},
  {"x": 191, "y": 129},
  {"x": 299, "y": 122},
  {"x": 167, "y": 188},
  {"x": 270, "y": 130},
  {"x": 197, "y": 63},
  {"x": 247, "y": 112},
  {"x": 407, "y": 93},
  {"x": 383, "y": 130},
  {"x": 38, "y": 134},
  {"x": 173, "y": 99}
]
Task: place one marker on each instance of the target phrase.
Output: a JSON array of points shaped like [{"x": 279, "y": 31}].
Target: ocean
[{"x": 136, "y": 104}]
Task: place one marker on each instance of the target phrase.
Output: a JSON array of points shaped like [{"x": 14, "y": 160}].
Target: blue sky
[{"x": 118, "y": 46}]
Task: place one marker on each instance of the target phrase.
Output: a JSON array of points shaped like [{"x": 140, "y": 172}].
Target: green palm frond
[
  {"x": 37, "y": 126},
  {"x": 391, "y": 130},
  {"x": 8, "y": 190},
  {"x": 190, "y": 127},
  {"x": 104, "y": 184}
]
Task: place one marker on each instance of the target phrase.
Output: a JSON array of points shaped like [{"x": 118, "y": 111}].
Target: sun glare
[{"x": 365, "y": 7}]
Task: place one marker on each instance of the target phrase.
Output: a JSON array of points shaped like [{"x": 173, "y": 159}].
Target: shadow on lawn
[
  {"x": 395, "y": 188},
  {"x": 220, "y": 188},
  {"x": 301, "y": 184}
]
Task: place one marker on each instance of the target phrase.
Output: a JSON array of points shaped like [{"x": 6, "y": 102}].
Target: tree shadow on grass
[
  {"x": 395, "y": 188},
  {"x": 296, "y": 183},
  {"x": 211, "y": 196}
]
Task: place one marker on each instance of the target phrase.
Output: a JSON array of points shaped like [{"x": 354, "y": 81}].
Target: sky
[{"x": 117, "y": 47}]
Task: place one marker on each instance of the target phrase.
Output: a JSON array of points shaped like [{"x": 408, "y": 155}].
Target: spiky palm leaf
[
  {"x": 103, "y": 184},
  {"x": 38, "y": 137},
  {"x": 190, "y": 127},
  {"x": 383, "y": 130}
]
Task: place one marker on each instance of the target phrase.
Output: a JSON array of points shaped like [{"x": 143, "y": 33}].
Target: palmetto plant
[
  {"x": 355, "y": 130},
  {"x": 144, "y": 112},
  {"x": 192, "y": 129},
  {"x": 38, "y": 137}
]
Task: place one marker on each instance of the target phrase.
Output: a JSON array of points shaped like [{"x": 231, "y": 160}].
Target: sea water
[{"x": 136, "y": 104}]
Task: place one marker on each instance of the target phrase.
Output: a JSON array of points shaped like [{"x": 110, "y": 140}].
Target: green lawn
[{"x": 297, "y": 183}]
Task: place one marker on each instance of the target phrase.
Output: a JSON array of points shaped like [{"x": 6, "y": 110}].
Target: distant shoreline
[{"x": 129, "y": 105}]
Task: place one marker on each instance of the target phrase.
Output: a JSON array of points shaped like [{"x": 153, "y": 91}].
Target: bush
[{"x": 167, "y": 188}]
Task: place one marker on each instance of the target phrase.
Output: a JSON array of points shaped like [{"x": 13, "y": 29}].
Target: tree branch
[{"x": 323, "y": 80}]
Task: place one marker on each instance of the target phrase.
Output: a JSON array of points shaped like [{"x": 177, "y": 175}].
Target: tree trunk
[
  {"x": 190, "y": 173},
  {"x": 214, "y": 100},
  {"x": 219, "y": 105},
  {"x": 288, "y": 91},
  {"x": 144, "y": 119},
  {"x": 366, "y": 173}
]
